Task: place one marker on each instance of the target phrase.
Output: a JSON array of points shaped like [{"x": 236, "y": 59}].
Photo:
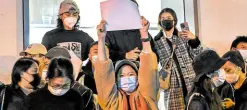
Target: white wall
[
  {"x": 11, "y": 36},
  {"x": 11, "y": 27},
  {"x": 220, "y": 21}
]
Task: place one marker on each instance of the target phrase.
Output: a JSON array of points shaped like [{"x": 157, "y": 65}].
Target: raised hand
[
  {"x": 145, "y": 27},
  {"x": 101, "y": 29},
  {"x": 187, "y": 35}
]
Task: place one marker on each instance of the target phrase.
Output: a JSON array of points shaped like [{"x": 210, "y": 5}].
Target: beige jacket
[{"x": 144, "y": 98}]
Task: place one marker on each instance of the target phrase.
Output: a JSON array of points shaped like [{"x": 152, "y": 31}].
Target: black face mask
[
  {"x": 36, "y": 80},
  {"x": 167, "y": 24}
]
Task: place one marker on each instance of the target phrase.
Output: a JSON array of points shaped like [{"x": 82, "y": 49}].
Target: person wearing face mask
[
  {"x": 52, "y": 53},
  {"x": 37, "y": 52},
  {"x": 178, "y": 49},
  {"x": 58, "y": 93},
  {"x": 86, "y": 76},
  {"x": 127, "y": 88},
  {"x": 67, "y": 33},
  {"x": 85, "y": 92},
  {"x": 204, "y": 95},
  {"x": 25, "y": 79},
  {"x": 236, "y": 77},
  {"x": 240, "y": 44}
]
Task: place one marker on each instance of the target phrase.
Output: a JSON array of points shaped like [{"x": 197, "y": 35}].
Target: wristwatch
[{"x": 146, "y": 39}]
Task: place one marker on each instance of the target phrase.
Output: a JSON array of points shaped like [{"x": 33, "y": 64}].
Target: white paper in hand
[{"x": 120, "y": 15}]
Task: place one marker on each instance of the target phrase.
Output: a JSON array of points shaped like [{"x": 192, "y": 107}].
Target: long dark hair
[
  {"x": 204, "y": 87},
  {"x": 61, "y": 26},
  {"x": 21, "y": 65},
  {"x": 60, "y": 67},
  {"x": 174, "y": 15}
]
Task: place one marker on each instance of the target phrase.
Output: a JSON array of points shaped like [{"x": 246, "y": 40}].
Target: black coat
[
  {"x": 241, "y": 97},
  {"x": 226, "y": 91},
  {"x": 89, "y": 80},
  {"x": 86, "y": 94},
  {"x": 14, "y": 98},
  {"x": 42, "y": 99},
  {"x": 197, "y": 102}
]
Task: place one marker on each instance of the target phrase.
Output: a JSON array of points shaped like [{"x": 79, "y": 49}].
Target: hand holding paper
[
  {"x": 101, "y": 29},
  {"x": 120, "y": 15},
  {"x": 145, "y": 27}
]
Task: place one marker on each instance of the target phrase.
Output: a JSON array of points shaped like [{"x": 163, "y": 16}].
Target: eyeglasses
[
  {"x": 56, "y": 86},
  {"x": 70, "y": 14}
]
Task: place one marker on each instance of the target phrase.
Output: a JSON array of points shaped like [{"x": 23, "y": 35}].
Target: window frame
[{"x": 26, "y": 20}]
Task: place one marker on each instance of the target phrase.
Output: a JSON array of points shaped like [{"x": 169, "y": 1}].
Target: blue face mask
[{"x": 128, "y": 84}]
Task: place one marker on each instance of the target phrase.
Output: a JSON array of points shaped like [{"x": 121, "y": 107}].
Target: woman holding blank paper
[{"x": 127, "y": 88}]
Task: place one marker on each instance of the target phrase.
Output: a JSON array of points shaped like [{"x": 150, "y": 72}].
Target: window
[{"x": 42, "y": 15}]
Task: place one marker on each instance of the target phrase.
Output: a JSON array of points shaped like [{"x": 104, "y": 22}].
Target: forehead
[
  {"x": 229, "y": 65},
  {"x": 94, "y": 47},
  {"x": 166, "y": 15},
  {"x": 33, "y": 66},
  {"x": 242, "y": 43},
  {"x": 127, "y": 69}
]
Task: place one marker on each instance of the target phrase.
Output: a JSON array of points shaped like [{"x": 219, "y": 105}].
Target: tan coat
[{"x": 144, "y": 98}]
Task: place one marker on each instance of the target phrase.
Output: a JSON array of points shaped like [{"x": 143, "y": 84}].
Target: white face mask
[
  {"x": 94, "y": 58},
  {"x": 70, "y": 21},
  {"x": 232, "y": 78},
  {"x": 58, "y": 92},
  {"x": 244, "y": 54},
  {"x": 128, "y": 84}
]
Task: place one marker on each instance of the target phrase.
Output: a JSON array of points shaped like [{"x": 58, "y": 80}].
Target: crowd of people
[{"x": 122, "y": 71}]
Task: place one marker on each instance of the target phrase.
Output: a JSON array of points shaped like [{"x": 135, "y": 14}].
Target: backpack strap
[
  {"x": 191, "y": 97},
  {"x": 3, "y": 97}
]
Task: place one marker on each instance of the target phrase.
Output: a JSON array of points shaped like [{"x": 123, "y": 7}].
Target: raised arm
[
  {"x": 101, "y": 43},
  {"x": 147, "y": 75},
  {"x": 104, "y": 74}
]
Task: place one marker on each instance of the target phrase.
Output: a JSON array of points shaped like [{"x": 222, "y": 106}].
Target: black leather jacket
[
  {"x": 87, "y": 95},
  {"x": 13, "y": 99}
]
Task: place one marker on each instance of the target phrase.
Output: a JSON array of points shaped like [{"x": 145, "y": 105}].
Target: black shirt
[
  {"x": 241, "y": 97},
  {"x": 123, "y": 41},
  {"x": 75, "y": 40},
  {"x": 44, "y": 100}
]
